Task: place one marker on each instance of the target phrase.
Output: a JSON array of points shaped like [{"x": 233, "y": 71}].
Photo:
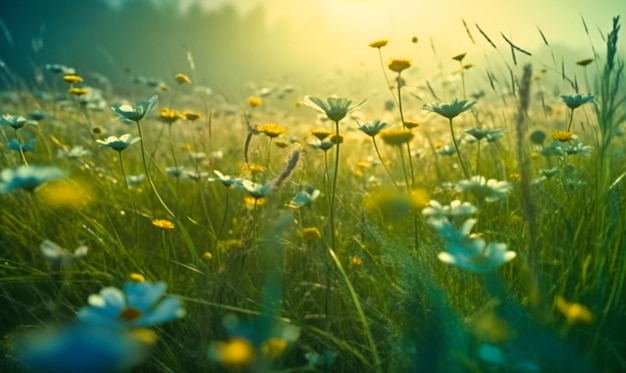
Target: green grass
[{"x": 380, "y": 300}]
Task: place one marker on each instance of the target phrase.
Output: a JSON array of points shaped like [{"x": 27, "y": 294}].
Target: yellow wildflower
[
  {"x": 310, "y": 234},
  {"x": 72, "y": 78},
  {"x": 396, "y": 136},
  {"x": 514, "y": 176},
  {"x": 274, "y": 347},
  {"x": 255, "y": 168},
  {"x": 186, "y": 147},
  {"x": 182, "y": 78},
  {"x": 399, "y": 64},
  {"x": 272, "y": 130},
  {"x": 562, "y": 136},
  {"x": 169, "y": 116},
  {"x": 137, "y": 277},
  {"x": 254, "y": 101},
  {"x": 355, "y": 261},
  {"x": 281, "y": 143},
  {"x": 321, "y": 133},
  {"x": 575, "y": 313},
  {"x": 251, "y": 201},
  {"x": 378, "y": 43},
  {"x": 163, "y": 224},
  {"x": 207, "y": 256},
  {"x": 76, "y": 91},
  {"x": 237, "y": 353}
]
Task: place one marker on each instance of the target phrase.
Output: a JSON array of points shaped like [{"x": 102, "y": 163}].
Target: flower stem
[
  {"x": 408, "y": 147},
  {"x": 145, "y": 167},
  {"x": 130, "y": 195},
  {"x": 458, "y": 153},
  {"x": 334, "y": 190},
  {"x": 19, "y": 138},
  {"x": 382, "y": 65},
  {"x": 477, "y": 159},
  {"x": 380, "y": 158},
  {"x": 571, "y": 116}
]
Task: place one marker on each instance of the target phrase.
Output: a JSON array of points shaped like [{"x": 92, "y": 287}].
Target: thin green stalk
[
  {"x": 403, "y": 162},
  {"x": 130, "y": 195},
  {"x": 408, "y": 147},
  {"x": 458, "y": 153},
  {"x": 380, "y": 158},
  {"x": 571, "y": 116},
  {"x": 19, "y": 138},
  {"x": 382, "y": 66},
  {"x": 334, "y": 190},
  {"x": 477, "y": 159},
  {"x": 145, "y": 167}
]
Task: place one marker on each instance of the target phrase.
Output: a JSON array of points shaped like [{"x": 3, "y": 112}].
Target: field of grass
[{"x": 466, "y": 224}]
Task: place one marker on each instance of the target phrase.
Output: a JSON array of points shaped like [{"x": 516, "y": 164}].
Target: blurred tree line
[{"x": 141, "y": 38}]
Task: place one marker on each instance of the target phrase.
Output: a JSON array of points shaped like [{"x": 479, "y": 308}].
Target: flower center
[{"x": 130, "y": 314}]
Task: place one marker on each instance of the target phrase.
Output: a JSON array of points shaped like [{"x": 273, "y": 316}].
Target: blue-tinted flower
[
  {"x": 119, "y": 143},
  {"x": 468, "y": 251},
  {"x": 82, "y": 349},
  {"x": 58, "y": 256},
  {"x": 60, "y": 69},
  {"x": 139, "y": 304},
  {"x": 135, "y": 179},
  {"x": 372, "y": 129},
  {"x": 456, "y": 208},
  {"x": 28, "y": 146},
  {"x": 15, "y": 121},
  {"x": 450, "y": 109},
  {"x": 304, "y": 198},
  {"x": 28, "y": 178},
  {"x": 489, "y": 134},
  {"x": 576, "y": 100},
  {"x": 335, "y": 108},
  {"x": 254, "y": 189},
  {"x": 135, "y": 113},
  {"x": 324, "y": 145},
  {"x": 226, "y": 180},
  {"x": 77, "y": 151},
  {"x": 490, "y": 190},
  {"x": 175, "y": 171}
]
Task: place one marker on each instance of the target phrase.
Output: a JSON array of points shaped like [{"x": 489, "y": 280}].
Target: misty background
[{"x": 313, "y": 44}]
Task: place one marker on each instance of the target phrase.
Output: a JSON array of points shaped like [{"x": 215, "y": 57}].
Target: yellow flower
[
  {"x": 255, "y": 168},
  {"x": 164, "y": 87},
  {"x": 562, "y": 136},
  {"x": 237, "y": 353},
  {"x": 575, "y": 313},
  {"x": 321, "y": 133},
  {"x": 137, "y": 277},
  {"x": 410, "y": 124},
  {"x": 355, "y": 261},
  {"x": 78, "y": 91},
  {"x": 515, "y": 176},
  {"x": 459, "y": 57},
  {"x": 310, "y": 234},
  {"x": 274, "y": 347},
  {"x": 169, "y": 116},
  {"x": 379, "y": 43},
  {"x": 182, "y": 78},
  {"x": 398, "y": 64},
  {"x": 250, "y": 201},
  {"x": 65, "y": 194},
  {"x": 584, "y": 61},
  {"x": 191, "y": 116},
  {"x": 163, "y": 224},
  {"x": 396, "y": 136},
  {"x": 535, "y": 155},
  {"x": 186, "y": 147},
  {"x": 254, "y": 101},
  {"x": 72, "y": 78},
  {"x": 207, "y": 256},
  {"x": 272, "y": 130}
]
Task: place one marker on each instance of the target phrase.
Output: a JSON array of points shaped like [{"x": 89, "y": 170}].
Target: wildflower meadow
[{"x": 468, "y": 220}]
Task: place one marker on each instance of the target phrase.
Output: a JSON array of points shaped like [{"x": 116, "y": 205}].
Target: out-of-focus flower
[
  {"x": 59, "y": 257},
  {"x": 81, "y": 348},
  {"x": 163, "y": 224},
  {"x": 398, "y": 64},
  {"x": 28, "y": 146},
  {"x": 456, "y": 208},
  {"x": 182, "y": 78},
  {"x": 304, "y": 198},
  {"x": 76, "y": 151},
  {"x": 490, "y": 190},
  {"x": 378, "y": 43},
  {"x": 254, "y": 101},
  {"x": 272, "y": 130},
  {"x": 396, "y": 137},
  {"x": 576, "y": 100},
  {"x": 575, "y": 313},
  {"x": 562, "y": 136},
  {"x": 139, "y": 304},
  {"x": 28, "y": 178},
  {"x": 226, "y": 180},
  {"x": 15, "y": 121},
  {"x": 372, "y": 129}
]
